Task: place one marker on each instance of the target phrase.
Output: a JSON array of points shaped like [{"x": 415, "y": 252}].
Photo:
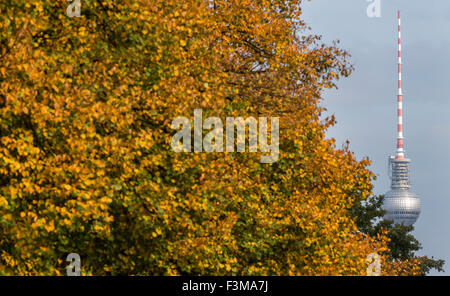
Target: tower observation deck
[{"x": 401, "y": 205}]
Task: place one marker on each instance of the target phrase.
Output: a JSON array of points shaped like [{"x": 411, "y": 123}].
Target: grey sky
[{"x": 365, "y": 103}]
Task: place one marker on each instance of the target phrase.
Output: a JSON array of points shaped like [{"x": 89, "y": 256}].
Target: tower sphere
[{"x": 402, "y": 206}]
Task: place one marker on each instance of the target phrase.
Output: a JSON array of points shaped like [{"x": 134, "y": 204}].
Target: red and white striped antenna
[{"x": 400, "y": 151}]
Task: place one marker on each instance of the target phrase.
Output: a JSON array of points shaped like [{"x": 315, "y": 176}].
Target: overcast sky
[{"x": 365, "y": 103}]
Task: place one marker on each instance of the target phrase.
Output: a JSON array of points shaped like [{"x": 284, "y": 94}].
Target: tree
[
  {"x": 86, "y": 164},
  {"x": 402, "y": 244}
]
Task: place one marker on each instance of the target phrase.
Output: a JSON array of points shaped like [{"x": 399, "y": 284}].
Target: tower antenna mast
[{"x": 400, "y": 151}]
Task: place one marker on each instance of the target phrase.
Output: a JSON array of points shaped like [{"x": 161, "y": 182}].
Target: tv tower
[{"x": 401, "y": 205}]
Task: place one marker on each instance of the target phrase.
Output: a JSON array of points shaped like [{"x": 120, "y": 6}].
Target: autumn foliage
[{"x": 86, "y": 165}]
